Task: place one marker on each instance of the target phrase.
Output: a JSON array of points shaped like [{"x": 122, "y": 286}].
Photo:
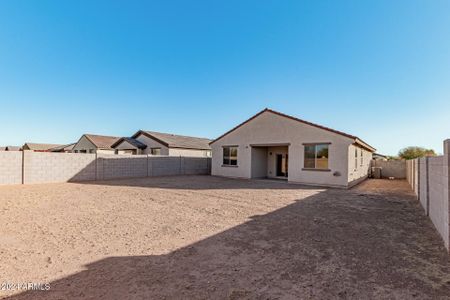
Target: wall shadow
[
  {"x": 198, "y": 182},
  {"x": 334, "y": 244}
]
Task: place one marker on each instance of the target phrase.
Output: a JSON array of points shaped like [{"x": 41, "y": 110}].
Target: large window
[
  {"x": 230, "y": 156},
  {"x": 316, "y": 156}
]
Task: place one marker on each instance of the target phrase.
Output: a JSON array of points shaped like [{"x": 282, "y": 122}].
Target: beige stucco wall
[
  {"x": 360, "y": 171},
  {"x": 189, "y": 152},
  {"x": 269, "y": 128},
  {"x": 125, "y": 148},
  {"x": 151, "y": 143},
  {"x": 84, "y": 144},
  {"x": 106, "y": 151}
]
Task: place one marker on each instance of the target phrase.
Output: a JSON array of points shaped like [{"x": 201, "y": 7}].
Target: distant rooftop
[
  {"x": 102, "y": 141},
  {"x": 39, "y": 146},
  {"x": 177, "y": 141}
]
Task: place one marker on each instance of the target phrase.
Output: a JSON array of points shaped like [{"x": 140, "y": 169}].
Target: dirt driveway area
[{"x": 202, "y": 237}]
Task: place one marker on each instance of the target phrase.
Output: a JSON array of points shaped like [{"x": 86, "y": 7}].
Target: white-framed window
[
  {"x": 316, "y": 156},
  {"x": 356, "y": 158},
  {"x": 155, "y": 151},
  {"x": 230, "y": 155}
]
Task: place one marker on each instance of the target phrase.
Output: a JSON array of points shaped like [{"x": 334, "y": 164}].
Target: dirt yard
[{"x": 202, "y": 237}]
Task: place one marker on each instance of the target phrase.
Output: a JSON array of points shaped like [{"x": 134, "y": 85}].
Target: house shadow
[{"x": 334, "y": 244}]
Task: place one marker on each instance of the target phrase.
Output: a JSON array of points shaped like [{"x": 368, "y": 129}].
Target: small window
[
  {"x": 91, "y": 150},
  {"x": 230, "y": 156},
  {"x": 155, "y": 151},
  {"x": 82, "y": 151},
  {"x": 316, "y": 156},
  {"x": 362, "y": 158},
  {"x": 356, "y": 159}
]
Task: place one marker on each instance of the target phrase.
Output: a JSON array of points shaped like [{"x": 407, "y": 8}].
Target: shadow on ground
[
  {"x": 213, "y": 183},
  {"x": 361, "y": 243}
]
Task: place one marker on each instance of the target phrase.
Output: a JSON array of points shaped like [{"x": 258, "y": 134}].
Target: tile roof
[
  {"x": 67, "y": 147},
  {"x": 40, "y": 147},
  {"x": 102, "y": 141},
  {"x": 177, "y": 141}
]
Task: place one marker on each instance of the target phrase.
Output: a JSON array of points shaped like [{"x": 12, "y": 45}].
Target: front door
[{"x": 282, "y": 165}]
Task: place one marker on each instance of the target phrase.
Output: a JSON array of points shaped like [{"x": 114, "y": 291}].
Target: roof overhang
[{"x": 364, "y": 145}]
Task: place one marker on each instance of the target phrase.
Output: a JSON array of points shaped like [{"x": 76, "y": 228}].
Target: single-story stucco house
[
  {"x": 158, "y": 143},
  {"x": 93, "y": 143},
  {"x": 275, "y": 145}
]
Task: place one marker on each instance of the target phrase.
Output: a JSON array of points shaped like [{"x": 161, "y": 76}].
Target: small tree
[{"x": 415, "y": 152}]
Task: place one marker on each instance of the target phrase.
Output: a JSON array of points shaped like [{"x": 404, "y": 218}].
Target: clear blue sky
[{"x": 376, "y": 69}]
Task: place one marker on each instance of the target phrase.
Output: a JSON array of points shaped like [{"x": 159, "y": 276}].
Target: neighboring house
[
  {"x": 2, "y": 148},
  {"x": 13, "y": 148},
  {"x": 377, "y": 156},
  {"x": 38, "y": 147},
  {"x": 127, "y": 145},
  {"x": 157, "y": 143},
  {"x": 64, "y": 148},
  {"x": 274, "y": 145},
  {"x": 92, "y": 143}
]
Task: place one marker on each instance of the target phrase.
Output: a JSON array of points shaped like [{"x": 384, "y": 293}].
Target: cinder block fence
[
  {"x": 429, "y": 178},
  {"x": 27, "y": 167}
]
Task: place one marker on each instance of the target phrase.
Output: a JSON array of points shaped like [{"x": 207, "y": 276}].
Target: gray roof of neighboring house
[
  {"x": 177, "y": 141},
  {"x": 13, "y": 148},
  {"x": 40, "y": 147},
  {"x": 102, "y": 141},
  {"x": 132, "y": 141},
  {"x": 67, "y": 147}
]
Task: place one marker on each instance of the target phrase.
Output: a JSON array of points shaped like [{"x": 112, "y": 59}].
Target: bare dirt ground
[{"x": 203, "y": 237}]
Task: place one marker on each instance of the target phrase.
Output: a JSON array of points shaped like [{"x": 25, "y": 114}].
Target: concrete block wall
[
  {"x": 391, "y": 168},
  {"x": 430, "y": 179},
  {"x": 195, "y": 166},
  {"x": 165, "y": 165},
  {"x": 10, "y": 167},
  {"x": 46, "y": 167},
  {"x": 446, "y": 191},
  {"x": 438, "y": 203},
  {"x": 123, "y": 166},
  {"x": 423, "y": 192}
]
